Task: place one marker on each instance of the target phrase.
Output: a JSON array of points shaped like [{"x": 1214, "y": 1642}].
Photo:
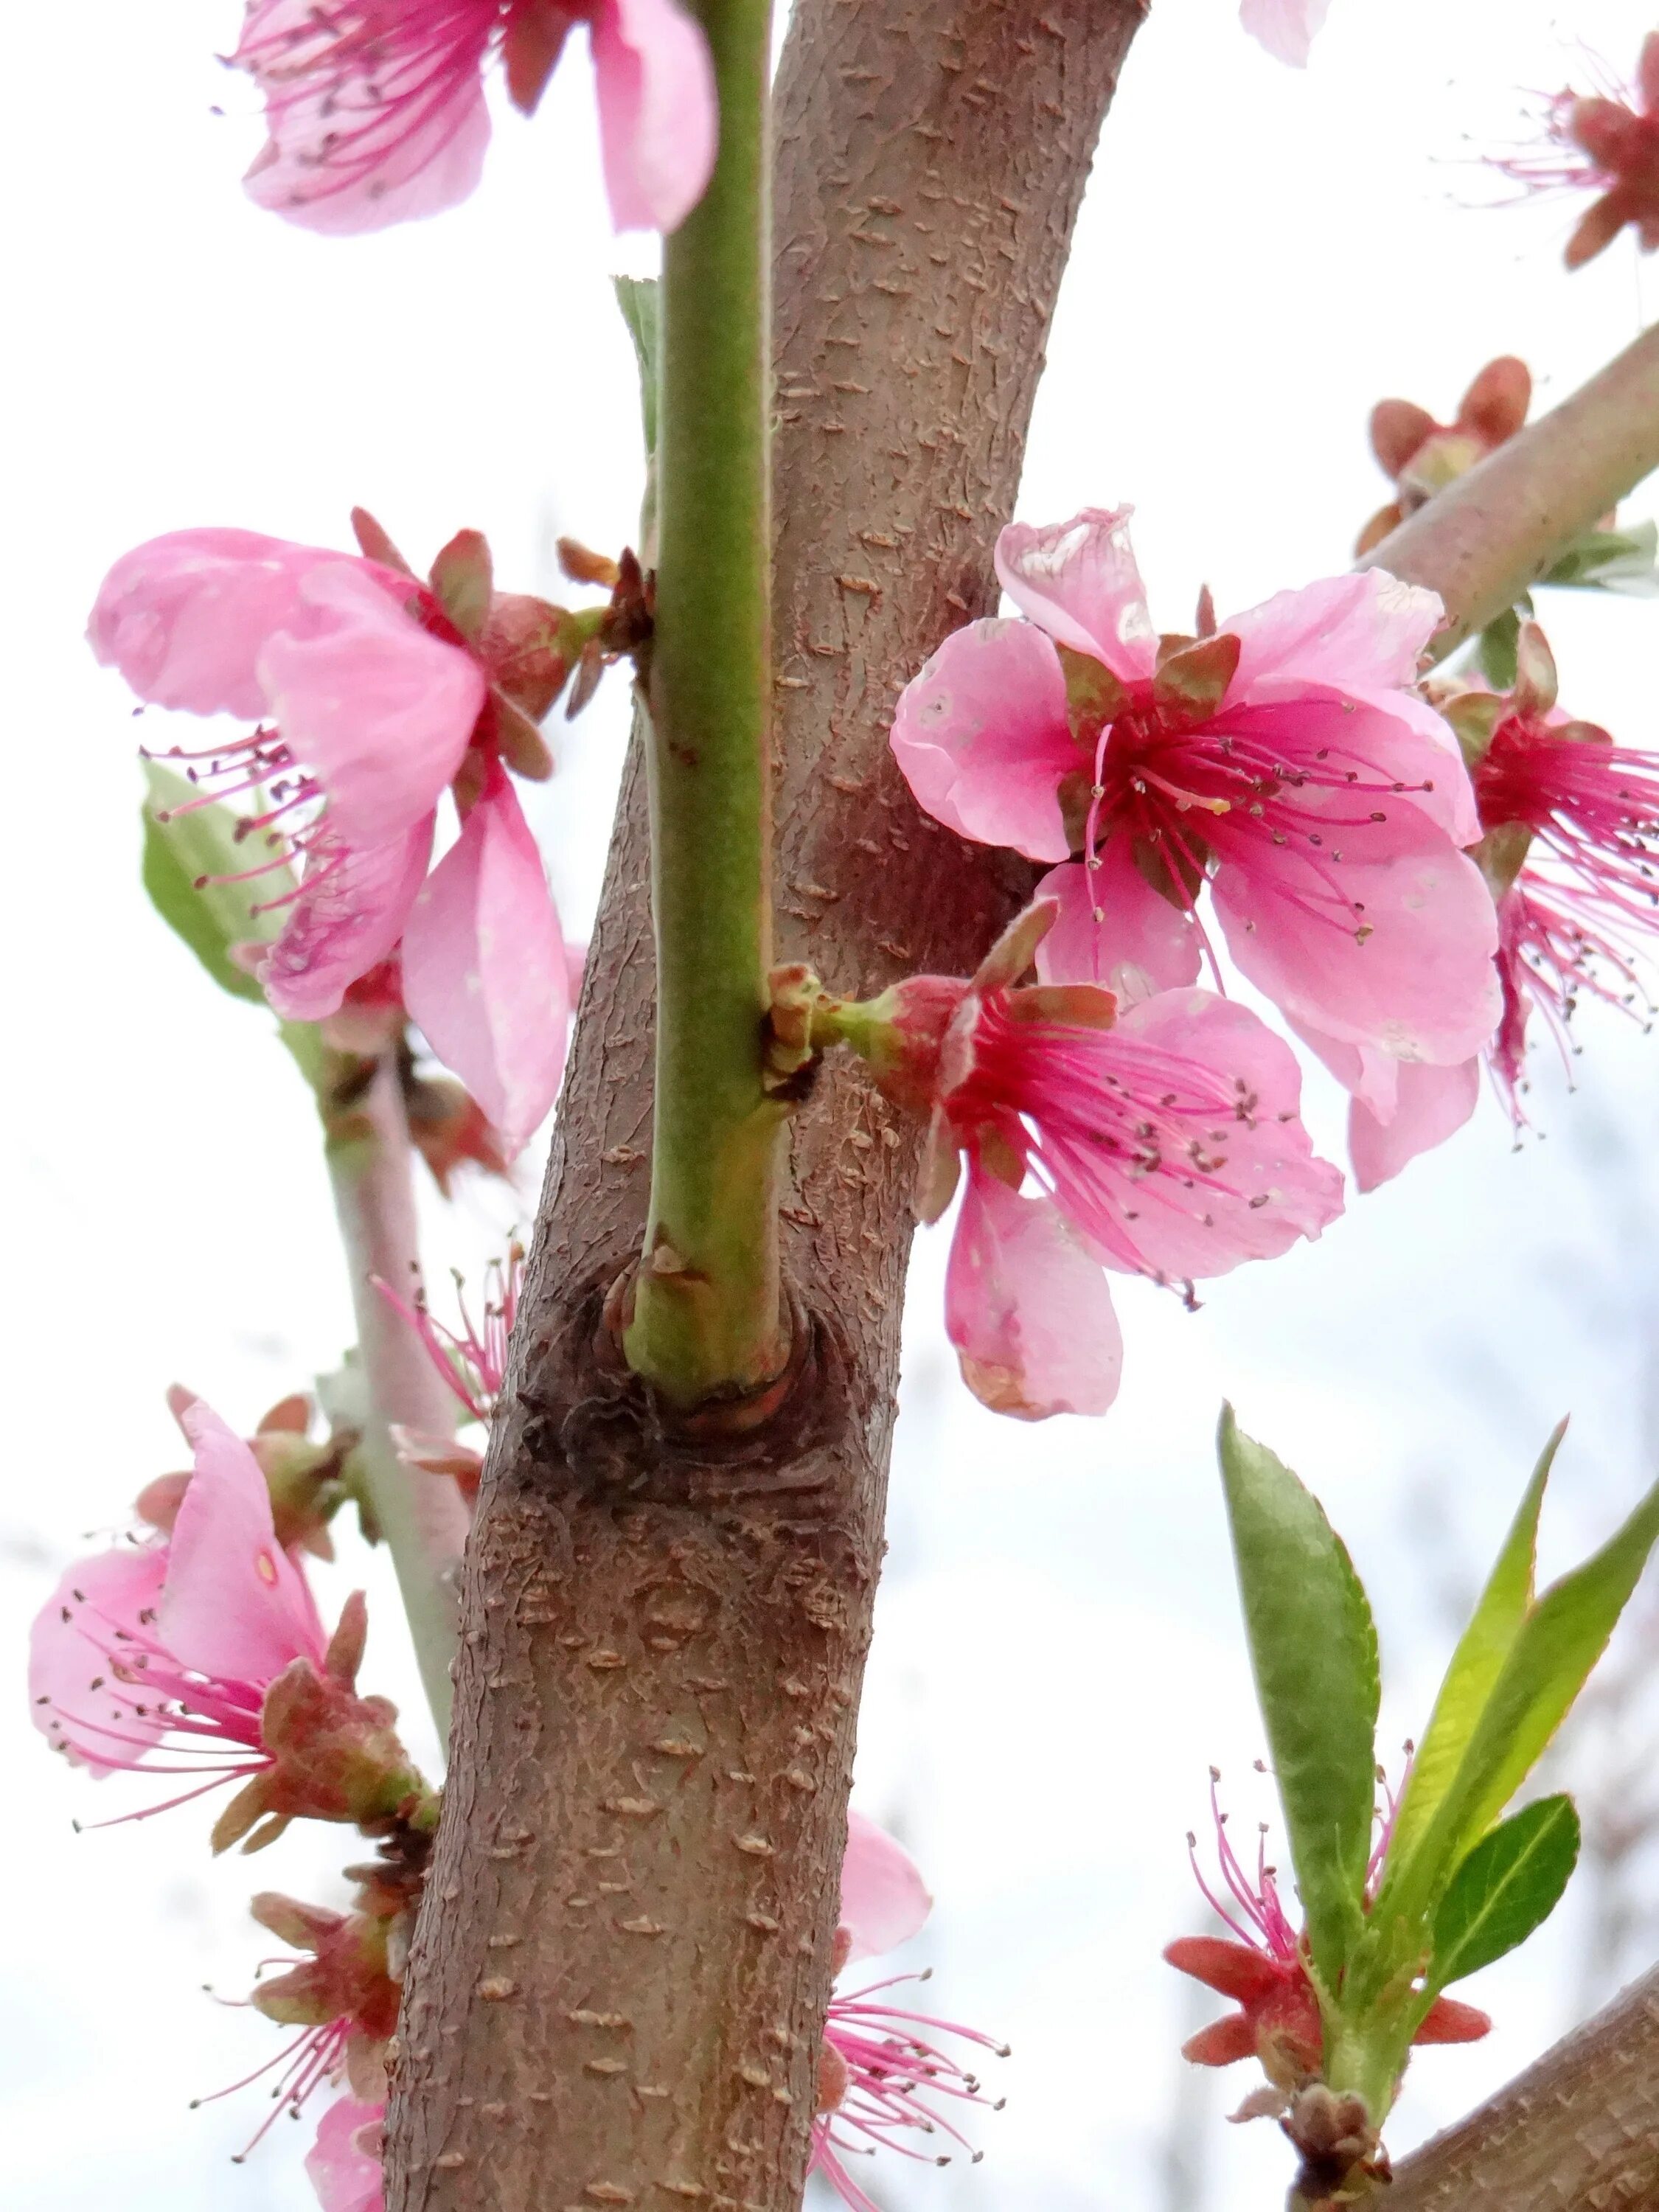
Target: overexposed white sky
[{"x": 1262, "y": 256}]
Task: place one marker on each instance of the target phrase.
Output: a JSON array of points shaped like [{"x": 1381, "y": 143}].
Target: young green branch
[
  {"x": 706, "y": 1302},
  {"x": 422, "y": 1516}
]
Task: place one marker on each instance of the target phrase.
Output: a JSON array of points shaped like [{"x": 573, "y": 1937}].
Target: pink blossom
[
  {"x": 376, "y": 108},
  {"x": 369, "y": 704},
  {"x": 210, "y": 1643},
  {"x": 1605, "y": 142},
  {"x": 1571, "y": 849},
  {"x": 1263, "y": 1969},
  {"x": 1282, "y": 759},
  {"x": 1284, "y": 27},
  {"x": 881, "y": 2079},
  {"x": 1158, "y": 1139},
  {"x": 343, "y": 2164},
  {"x": 471, "y": 1361}
]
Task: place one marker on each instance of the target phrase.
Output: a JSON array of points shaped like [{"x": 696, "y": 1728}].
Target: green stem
[
  {"x": 422, "y": 1516},
  {"x": 706, "y": 1312}
]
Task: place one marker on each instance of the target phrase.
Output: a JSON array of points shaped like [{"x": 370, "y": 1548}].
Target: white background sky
[{"x": 1260, "y": 256}]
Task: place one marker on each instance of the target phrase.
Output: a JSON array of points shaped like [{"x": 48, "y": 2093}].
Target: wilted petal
[
  {"x": 981, "y": 737},
  {"x": 659, "y": 118},
  {"x": 379, "y": 711},
  {"x": 1363, "y": 631},
  {"x": 485, "y": 972},
  {"x": 1284, "y": 27},
  {"x": 184, "y": 617},
  {"x": 1078, "y": 581},
  {"x": 1430, "y": 1105},
  {"x": 376, "y": 109},
  {"x": 349, "y": 916},
  {"x": 78, "y": 1633},
  {"x": 884, "y": 1899},
  {"x": 343, "y": 2164},
  {"x": 1028, "y": 1308},
  {"x": 1144, "y": 941},
  {"x": 235, "y": 1607}
]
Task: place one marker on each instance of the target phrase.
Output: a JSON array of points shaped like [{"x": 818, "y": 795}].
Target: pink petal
[
  {"x": 485, "y": 974},
  {"x": 185, "y": 616},
  {"x": 1431, "y": 1105},
  {"x": 235, "y": 1607},
  {"x": 1420, "y": 986},
  {"x": 379, "y": 711},
  {"x": 1284, "y": 27},
  {"x": 1258, "y": 1186},
  {"x": 346, "y": 2176},
  {"x": 1028, "y": 1308},
  {"x": 95, "y": 1607},
  {"x": 1365, "y": 630},
  {"x": 1401, "y": 754},
  {"x": 1078, "y": 580},
  {"x": 659, "y": 118},
  {"x": 884, "y": 1899},
  {"x": 1363, "y": 1072},
  {"x": 981, "y": 737},
  {"x": 350, "y": 913},
  {"x": 372, "y": 123},
  {"x": 1144, "y": 944}
]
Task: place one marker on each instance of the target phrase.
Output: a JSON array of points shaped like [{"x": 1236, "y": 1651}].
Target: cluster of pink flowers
[
  {"x": 372, "y": 694},
  {"x": 377, "y": 113}
]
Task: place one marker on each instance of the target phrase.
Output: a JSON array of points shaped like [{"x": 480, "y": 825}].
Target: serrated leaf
[
  {"x": 636, "y": 296},
  {"x": 1509, "y": 1885},
  {"x": 1556, "y": 1646},
  {"x": 1485, "y": 1644},
  {"x": 179, "y": 852},
  {"x": 1313, "y": 1647}
]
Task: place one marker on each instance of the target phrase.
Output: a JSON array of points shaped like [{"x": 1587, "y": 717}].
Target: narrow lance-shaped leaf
[
  {"x": 1509, "y": 1885},
  {"x": 636, "y": 296},
  {"x": 1557, "y": 1645},
  {"x": 182, "y": 850},
  {"x": 1313, "y": 1647},
  {"x": 1475, "y": 1666}
]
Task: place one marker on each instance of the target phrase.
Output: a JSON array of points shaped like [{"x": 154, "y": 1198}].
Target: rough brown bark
[
  {"x": 622, "y": 1966},
  {"x": 1577, "y": 2132}
]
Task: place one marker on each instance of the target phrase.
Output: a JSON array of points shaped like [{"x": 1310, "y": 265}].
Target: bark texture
[
  {"x": 1577, "y": 2132},
  {"x": 619, "y": 1978}
]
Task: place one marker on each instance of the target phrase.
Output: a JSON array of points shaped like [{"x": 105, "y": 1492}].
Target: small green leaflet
[
  {"x": 637, "y": 298},
  {"x": 1475, "y": 1666},
  {"x": 1611, "y": 561},
  {"x": 184, "y": 848},
  {"x": 1313, "y": 1647},
  {"x": 1509, "y": 1885}
]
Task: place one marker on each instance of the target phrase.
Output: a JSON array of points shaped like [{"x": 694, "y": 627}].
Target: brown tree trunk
[{"x": 620, "y": 1974}]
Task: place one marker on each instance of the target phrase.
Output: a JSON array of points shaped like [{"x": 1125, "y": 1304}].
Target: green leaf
[
  {"x": 181, "y": 849},
  {"x": 1611, "y": 561},
  {"x": 1313, "y": 1647},
  {"x": 1475, "y": 1666},
  {"x": 637, "y": 297},
  {"x": 1549, "y": 1661},
  {"x": 1509, "y": 1885},
  {"x": 1496, "y": 650}
]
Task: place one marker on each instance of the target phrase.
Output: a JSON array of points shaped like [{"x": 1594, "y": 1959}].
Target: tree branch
[
  {"x": 422, "y": 1517},
  {"x": 1489, "y": 535},
  {"x": 617, "y": 1989},
  {"x": 1576, "y": 2132}
]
